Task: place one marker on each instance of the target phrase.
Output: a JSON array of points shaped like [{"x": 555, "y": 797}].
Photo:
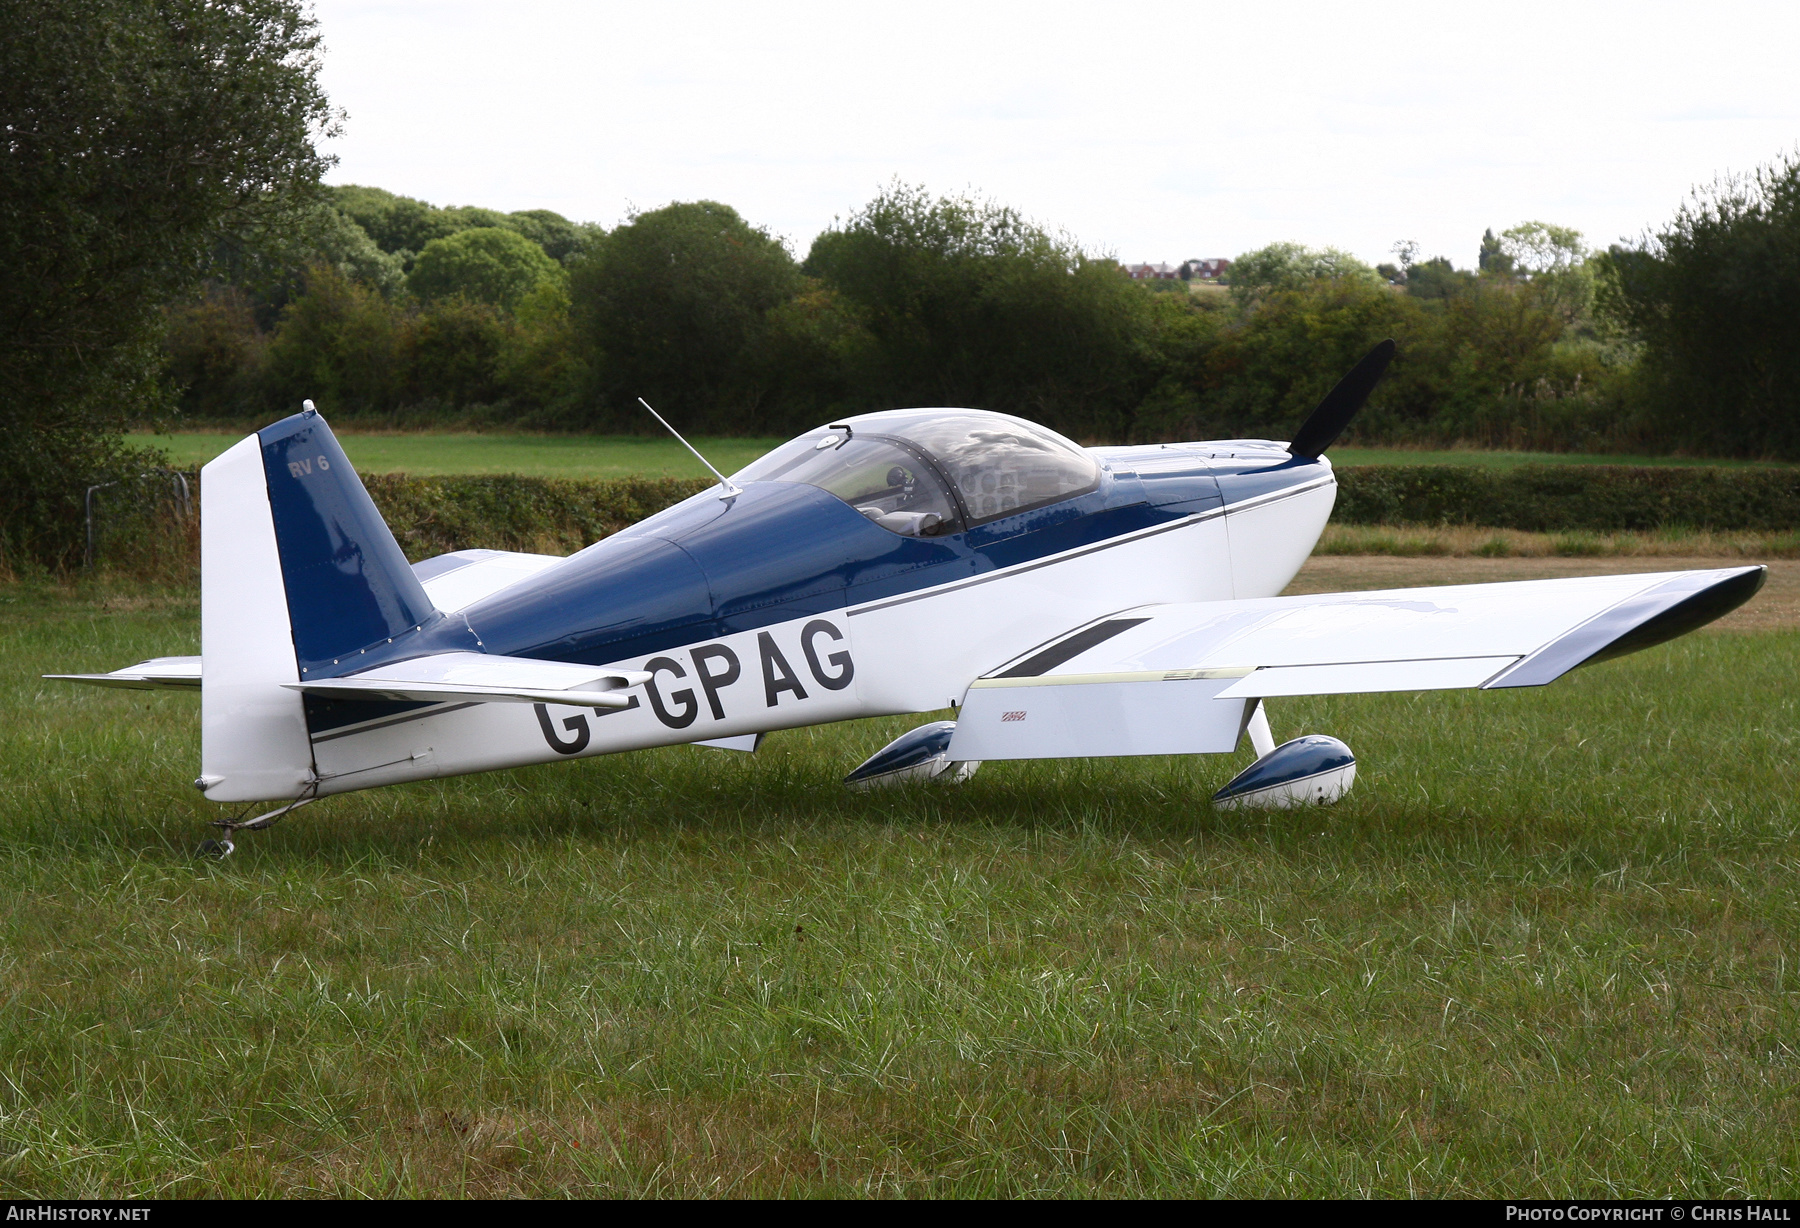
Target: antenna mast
[{"x": 732, "y": 489}]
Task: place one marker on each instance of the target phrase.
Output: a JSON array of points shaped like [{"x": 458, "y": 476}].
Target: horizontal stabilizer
[
  {"x": 156, "y": 674},
  {"x": 1175, "y": 679},
  {"x": 464, "y": 676},
  {"x": 463, "y": 577}
]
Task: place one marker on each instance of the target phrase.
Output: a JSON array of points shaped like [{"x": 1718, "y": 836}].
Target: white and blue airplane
[{"x": 1066, "y": 601}]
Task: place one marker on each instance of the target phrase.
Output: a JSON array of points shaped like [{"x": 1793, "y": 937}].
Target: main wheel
[{"x": 215, "y": 850}]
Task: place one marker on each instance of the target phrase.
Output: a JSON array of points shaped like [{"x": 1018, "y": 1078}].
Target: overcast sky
[{"x": 1150, "y": 131}]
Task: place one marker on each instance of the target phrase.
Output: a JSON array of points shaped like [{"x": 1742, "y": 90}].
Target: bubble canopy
[{"x": 922, "y": 472}]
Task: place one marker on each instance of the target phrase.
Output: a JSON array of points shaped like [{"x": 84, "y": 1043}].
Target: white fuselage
[{"x": 916, "y": 652}]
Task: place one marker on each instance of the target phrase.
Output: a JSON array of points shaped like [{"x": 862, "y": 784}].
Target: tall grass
[
  {"x": 1545, "y": 948},
  {"x": 1466, "y": 541}
]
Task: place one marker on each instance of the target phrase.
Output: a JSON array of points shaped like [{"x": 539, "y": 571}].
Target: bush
[
  {"x": 453, "y": 352},
  {"x": 140, "y": 532},
  {"x": 1591, "y": 498},
  {"x": 538, "y": 515},
  {"x": 144, "y": 530},
  {"x": 341, "y": 344},
  {"x": 486, "y": 264}
]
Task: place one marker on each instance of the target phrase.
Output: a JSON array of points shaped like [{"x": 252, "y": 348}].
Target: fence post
[{"x": 178, "y": 486}]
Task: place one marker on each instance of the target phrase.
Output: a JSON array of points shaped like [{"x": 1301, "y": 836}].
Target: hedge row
[
  {"x": 538, "y": 515},
  {"x": 561, "y": 515},
  {"x": 1550, "y": 498}
]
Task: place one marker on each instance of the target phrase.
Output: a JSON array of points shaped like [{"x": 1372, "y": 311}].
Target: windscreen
[
  {"x": 880, "y": 479},
  {"x": 1000, "y": 465}
]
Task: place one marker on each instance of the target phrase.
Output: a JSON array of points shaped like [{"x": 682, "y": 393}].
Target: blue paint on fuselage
[
  {"x": 1250, "y": 477},
  {"x": 779, "y": 551},
  {"x": 705, "y": 568},
  {"x": 710, "y": 567}
]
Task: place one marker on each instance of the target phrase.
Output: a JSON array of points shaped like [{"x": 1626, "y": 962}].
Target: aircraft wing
[
  {"x": 461, "y": 676},
  {"x": 1163, "y": 679},
  {"x": 156, "y": 674}
]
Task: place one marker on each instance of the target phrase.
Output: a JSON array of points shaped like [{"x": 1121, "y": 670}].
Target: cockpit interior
[{"x": 928, "y": 472}]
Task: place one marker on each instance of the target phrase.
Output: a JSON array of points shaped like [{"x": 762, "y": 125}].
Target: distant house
[
  {"x": 1152, "y": 272},
  {"x": 1212, "y": 269}
]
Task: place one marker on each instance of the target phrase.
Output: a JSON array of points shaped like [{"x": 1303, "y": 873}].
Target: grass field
[
  {"x": 605, "y": 456},
  {"x": 1545, "y": 948}
]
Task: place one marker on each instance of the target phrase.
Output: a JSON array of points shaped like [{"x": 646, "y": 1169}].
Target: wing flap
[{"x": 1097, "y": 718}]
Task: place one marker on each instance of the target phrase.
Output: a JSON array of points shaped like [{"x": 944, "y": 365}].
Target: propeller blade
[{"x": 1327, "y": 422}]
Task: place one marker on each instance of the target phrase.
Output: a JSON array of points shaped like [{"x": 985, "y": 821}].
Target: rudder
[
  {"x": 348, "y": 584},
  {"x": 298, "y": 572}
]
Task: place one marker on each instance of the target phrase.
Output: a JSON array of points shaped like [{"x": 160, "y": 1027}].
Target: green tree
[
  {"x": 398, "y": 225},
  {"x": 1494, "y": 259},
  {"x": 1289, "y": 266},
  {"x": 1714, "y": 298},
  {"x": 1555, "y": 259},
  {"x": 540, "y": 370},
  {"x": 453, "y": 356},
  {"x": 668, "y": 307},
  {"x": 560, "y": 238},
  {"x": 967, "y": 303},
  {"x": 1436, "y": 279},
  {"x": 269, "y": 258},
  {"x": 1539, "y": 248},
  {"x": 487, "y": 264},
  {"x": 402, "y": 226},
  {"x": 215, "y": 352},
  {"x": 341, "y": 344},
  {"x": 807, "y": 360},
  {"x": 136, "y": 132},
  {"x": 1273, "y": 364}
]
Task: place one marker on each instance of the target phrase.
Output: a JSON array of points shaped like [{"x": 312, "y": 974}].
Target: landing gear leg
[
  {"x": 1257, "y": 726},
  {"x": 220, "y": 849}
]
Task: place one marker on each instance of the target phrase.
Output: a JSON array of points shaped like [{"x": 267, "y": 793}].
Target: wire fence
[{"x": 147, "y": 523}]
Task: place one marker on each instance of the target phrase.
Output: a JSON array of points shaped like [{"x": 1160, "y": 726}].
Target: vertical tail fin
[
  {"x": 348, "y": 584},
  {"x": 297, "y": 572}
]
